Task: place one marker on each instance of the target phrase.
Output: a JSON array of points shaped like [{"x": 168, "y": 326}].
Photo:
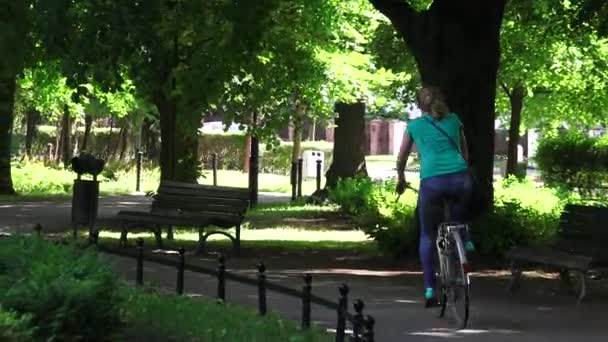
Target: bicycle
[{"x": 453, "y": 281}]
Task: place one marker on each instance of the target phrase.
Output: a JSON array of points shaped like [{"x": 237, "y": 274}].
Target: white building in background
[{"x": 217, "y": 127}]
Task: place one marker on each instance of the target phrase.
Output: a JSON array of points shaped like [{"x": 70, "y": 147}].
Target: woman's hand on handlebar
[{"x": 401, "y": 185}]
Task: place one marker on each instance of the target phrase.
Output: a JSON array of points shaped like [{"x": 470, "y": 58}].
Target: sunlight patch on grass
[{"x": 266, "y": 235}]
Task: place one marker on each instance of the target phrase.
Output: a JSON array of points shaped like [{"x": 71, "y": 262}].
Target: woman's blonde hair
[{"x": 431, "y": 98}]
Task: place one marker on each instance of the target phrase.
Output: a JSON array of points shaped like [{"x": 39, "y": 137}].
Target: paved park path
[{"x": 540, "y": 312}]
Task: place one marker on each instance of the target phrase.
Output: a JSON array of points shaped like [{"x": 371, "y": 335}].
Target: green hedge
[
  {"x": 524, "y": 214},
  {"x": 575, "y": 162},
  {"x": 230, "y": 150}
]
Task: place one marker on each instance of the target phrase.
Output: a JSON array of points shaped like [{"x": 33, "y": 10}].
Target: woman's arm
[
  {"x": 463, "y": 145},
  {"x": 404, "y": 154}
]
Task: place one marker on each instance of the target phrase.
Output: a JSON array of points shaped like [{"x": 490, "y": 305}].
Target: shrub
[
  {"x": 35, "y": 178},
  {"x": 70, "y": 295},
  {"x": 175, "y": 318},
  {"x": 374, "y": 205},
  {"x": 230, "y": 150},
  {"x": 524, "y": 214},
  {"x": 574, "y": 161},
  {"x": 15, "y": 327}
]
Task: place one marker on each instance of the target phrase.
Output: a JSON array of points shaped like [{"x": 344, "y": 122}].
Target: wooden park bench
[
  {"x": 581, "y": 249},
  {"x": 191, "y": 205}
]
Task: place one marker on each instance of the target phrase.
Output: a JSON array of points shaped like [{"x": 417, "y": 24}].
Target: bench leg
[
  {"x": 515, "y": 277},
  {"x": 158, "y": 235},
  {"x": 170, "y": 233},
  {"x": 123, "y": 236},
  {"x": 75, "y": 231},
  {"x": 581, "y": 285},
  {"x": 201, "y": 241},
  {"x": 237, "y": 241}
]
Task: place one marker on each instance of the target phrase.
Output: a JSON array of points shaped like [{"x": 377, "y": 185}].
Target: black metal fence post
[
  {"x": 358, "y": 320},
  {"x": 138, "y": 157},
  {"x": 368, "y": 334},
  {"x": 342, "y": 307},
  {"x": 306, "y": 294},
  {"x": 221, "y": 279},
  {"x": 139, "y": 272},
  {"x": 180, "y": 270},
  {"x": 294, "y": 180},
  {"x": 319, "y": 174},
  {"x": 38, "y": 229},
  {"x": 214, "y": 167},
  {"x": 261, "y": 288},
  {"x": 300, "y": 176}
]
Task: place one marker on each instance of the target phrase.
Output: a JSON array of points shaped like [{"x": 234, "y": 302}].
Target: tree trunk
[
  {"x": 7, "y": 101},
  {"x": 517, "y": 101},
  {"x": 58, "y": 142},
  {"x": 150, "y": 140},
  {"x": 88, "y": 124},
  {"x": 32, "y": 117},
  {"x": 349, "y": 150},
  {"x": 66, "y": 146},
  {"x": 247, "y": 154},
  {"x": 179, "y": 142},
  {"x": 298, "y": 127},
  {"x": 124, "y": 141},
  {"x": 456, "y": 46}
]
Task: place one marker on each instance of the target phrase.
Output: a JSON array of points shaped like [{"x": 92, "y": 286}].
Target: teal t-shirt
[{"x": 438, "y": 156}]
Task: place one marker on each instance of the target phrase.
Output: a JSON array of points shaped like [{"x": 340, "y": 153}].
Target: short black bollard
[
  {"x": 368, "y": 334},
  {"x": 294, "y": 180},
  {"x": 319, "y": 161},
  {"x": 358, "y": 320},
  {"x": 139, "y": 271},
  {"x": 139, "y": 155},
  {"x": 221, "y": 279},
  {"x": 261, "y": 288},
  {"x": 214, "y": 167},
  {"x": 180, "y": 270},
  {"x": 300, "y": 176},
  {"x": 38, "y": 229},
  {"x": 342, "y": 307},
  {"x": 306, "y": 294}
]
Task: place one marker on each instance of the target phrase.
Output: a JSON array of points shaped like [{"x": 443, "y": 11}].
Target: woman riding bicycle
[{"x": 443, "y": 175}]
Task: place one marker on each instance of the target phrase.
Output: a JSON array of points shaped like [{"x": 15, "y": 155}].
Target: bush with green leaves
[
  {"x": 574, "y": 161},
  {"x": 524, "y": 214},
  {"x": 69, "y": 293},
  {"x": 157, "y": 317},
  {"x": 15, "y": 327},
  {"x": 229, "y": 148},
  {"x": 390, "y": 221}
]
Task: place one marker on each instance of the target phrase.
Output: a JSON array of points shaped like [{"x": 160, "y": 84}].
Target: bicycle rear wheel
[{"x": 458, "y": 290}]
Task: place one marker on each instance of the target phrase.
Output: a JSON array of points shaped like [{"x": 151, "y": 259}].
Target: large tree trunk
[
  {"x": 517, "y": 101},
  {"x": 7, "y": 101},
  {"x": 66, "y": 137},
  {"x": 456, "y": 46},
  {"x": 88, "y": 124},
  {"x": 150, "y": 140},
  {"x": 32, "y": 118},
  {"x": 349, "y": 150},
  {"x": 124, "y": 141},
  {"x": 179, "y": 142}
]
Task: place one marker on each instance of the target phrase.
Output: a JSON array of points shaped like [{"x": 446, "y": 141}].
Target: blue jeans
[{"x": 455, "y": 188}]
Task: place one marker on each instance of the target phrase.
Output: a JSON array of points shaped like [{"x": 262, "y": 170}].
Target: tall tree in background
[
  {"x": 13, "y": 37},
  {"x": 456, "y": 47}
]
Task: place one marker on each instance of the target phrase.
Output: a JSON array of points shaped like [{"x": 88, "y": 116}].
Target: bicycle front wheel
[{"x": 458, "y": 290}]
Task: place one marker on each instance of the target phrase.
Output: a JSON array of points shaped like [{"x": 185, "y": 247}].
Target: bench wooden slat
[
  {"x": 551, "y": 258},
  {"x": 173, "y": 218},
  {"x": 193, "y": 204},
  {"x": 202, "y": 199},
  {"x": 219, "y": 191},
  {"x": 206, "y": 193}
]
